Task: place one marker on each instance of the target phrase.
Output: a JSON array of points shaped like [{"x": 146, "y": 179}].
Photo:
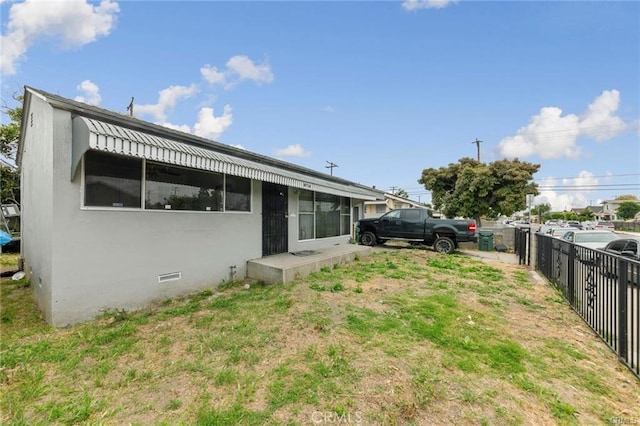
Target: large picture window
[
  {"x": 119, "y": 181},
  {"x": 323, "y": 215},
  {"x": 112, "y": 180},
  {"x": 175, "y": 188}
]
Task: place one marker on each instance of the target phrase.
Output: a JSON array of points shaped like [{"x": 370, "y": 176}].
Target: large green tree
[
  {"x": 470, "y": 188},
  {"x": 9, "y": 134},
  {"x": 628, "y": 209}
]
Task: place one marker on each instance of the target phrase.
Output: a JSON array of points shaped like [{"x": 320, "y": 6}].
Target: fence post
[
  {"x": 570, "y": 274},
  {"x": 622, "y": 308}
]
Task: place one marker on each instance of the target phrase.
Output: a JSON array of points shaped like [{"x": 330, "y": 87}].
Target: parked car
[
  {"x": 604, "y": 225},
  {"x": 593, "y": 239},
  {"x": 573, "y": 224},
  {"x": 558, "y": 232},
  {"x": 628, "y": 248},
  {"x": 417, "y": 226}
]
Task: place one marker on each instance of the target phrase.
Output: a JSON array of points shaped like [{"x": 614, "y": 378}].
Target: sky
[{"x": 381, "y": 89}]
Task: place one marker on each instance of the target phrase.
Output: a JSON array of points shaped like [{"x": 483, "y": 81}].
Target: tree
[
  {"x": 401, "y": 193},
  {"x": 542, "y": 211},
  {"x": 470, "y": 188},
  {"x": 9, "y": 134},
  {"x": 586, "y": 214},
  {"x": 628, "y": 209}
]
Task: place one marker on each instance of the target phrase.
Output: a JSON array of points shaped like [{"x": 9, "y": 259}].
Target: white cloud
[
  {"x": 427, "y": 4},
  {"x": 568, "y": 193},
  {"x": 91, "y": 93},
  {"x": 245, "y": 69},
  {"x": 167, "y": 99},
  {"x": 238, "y": 69},
  {"x": 212, "y": 75},
  {"x": 209, "y": 126},
  {"x": 328, "y": 108},
  {"x": 549, "y": 134},
  {"x": 293, "y": 151},
  {"x": 599, "y": 122},
  {"x": 73, "y": 23}
]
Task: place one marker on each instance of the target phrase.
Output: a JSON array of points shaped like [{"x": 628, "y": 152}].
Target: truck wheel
[
  {"x": 444, "y": 245},
  {"x": 368, "y": 239}
]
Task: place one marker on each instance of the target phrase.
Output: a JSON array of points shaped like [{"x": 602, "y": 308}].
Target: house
[
  {"x": 610, "y": 208},
  {"x": 119, "y": 213},
  {"x": 390, "y": 202}
]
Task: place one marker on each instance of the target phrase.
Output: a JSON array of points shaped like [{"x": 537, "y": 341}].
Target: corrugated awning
[{"x": 97, "y": 135}]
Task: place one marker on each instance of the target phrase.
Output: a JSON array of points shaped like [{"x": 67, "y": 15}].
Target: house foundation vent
[{"x": 169, "y": 277}]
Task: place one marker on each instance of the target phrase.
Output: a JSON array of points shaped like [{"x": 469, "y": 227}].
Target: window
[
  {"x": 412, "y": 215},
  {"x": 323, "y": 215},
  {"x": 175, "y": 188},
  {"x": 381, "y": 208},
  {"x": 305, "y": 215},
  {"x": 238, "y": 194},
  {"x": 117, "y": 181},
  {"x": 345, "y": 216},
  {"x": 327, "y": 215},
  {"x": 111, "y": 180}
]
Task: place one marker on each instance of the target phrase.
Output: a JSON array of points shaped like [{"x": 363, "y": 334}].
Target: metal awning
[{"x": 92, "y": 134}]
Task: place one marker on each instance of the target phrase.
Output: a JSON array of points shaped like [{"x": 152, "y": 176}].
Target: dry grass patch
[{"x": 403, "y": 337}]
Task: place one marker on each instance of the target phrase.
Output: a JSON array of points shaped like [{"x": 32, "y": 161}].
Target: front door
[{"x": 275, "y": 222}]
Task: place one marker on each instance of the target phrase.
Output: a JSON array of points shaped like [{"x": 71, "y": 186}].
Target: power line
[
  {"x": 595, "y": 185},
  {"x": 602, "y": 176}
]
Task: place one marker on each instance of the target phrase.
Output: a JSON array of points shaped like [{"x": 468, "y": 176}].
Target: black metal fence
[
  {"x": 522, "y": 246},
  {"x": 602, "y": 288}
]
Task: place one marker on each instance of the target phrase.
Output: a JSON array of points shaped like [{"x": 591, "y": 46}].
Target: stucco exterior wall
[
  {"x": 36, "y": 189},
  {"x": 85, "y": 260}
]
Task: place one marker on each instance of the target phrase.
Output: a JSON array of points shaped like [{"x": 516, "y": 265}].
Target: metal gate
[{"x": 275, "y": 220}]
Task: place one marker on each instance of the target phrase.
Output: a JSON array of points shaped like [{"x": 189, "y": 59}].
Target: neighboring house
[
  {"x": 391, "y": 202},
  {"x": 610, "y": 208},
  {"x": 597, "y": 213},
  {"x": 118, "y": 213}
]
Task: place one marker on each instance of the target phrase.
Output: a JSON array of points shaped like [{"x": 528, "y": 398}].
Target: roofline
[{"x": 161, "y": 131}]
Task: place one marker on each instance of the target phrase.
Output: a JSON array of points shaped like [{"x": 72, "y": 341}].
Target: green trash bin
[{"x": 485, "y": 240}]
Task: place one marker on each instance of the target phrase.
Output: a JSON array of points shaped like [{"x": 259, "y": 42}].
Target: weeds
[{"x": 433, "y": 334}]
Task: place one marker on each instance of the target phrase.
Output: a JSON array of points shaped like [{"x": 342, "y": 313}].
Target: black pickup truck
[{"x": 417, "y": 226}]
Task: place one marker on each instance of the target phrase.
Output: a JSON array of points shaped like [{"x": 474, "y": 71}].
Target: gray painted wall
[{"x": 83, "y": 261}]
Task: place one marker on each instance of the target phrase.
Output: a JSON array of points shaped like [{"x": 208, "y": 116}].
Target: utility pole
[
  {"x": 477, "y": 142},
  {"x": 130, "y": 107},
  {"x": 331, "y": 166},
  {"x": 393, "y": 190}
]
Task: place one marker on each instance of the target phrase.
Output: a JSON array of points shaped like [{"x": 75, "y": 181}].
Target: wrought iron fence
[{"x": 602, "y": 288}]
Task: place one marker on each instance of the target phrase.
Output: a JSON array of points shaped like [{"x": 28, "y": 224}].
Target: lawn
[{"x": 404, "y": 336}]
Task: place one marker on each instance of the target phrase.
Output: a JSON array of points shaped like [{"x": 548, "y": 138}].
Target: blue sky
[{"x": 382, "y": 89}]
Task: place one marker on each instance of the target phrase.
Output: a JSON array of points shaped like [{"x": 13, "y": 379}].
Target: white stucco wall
[
  {"x": 36, "y": 191},
  {"x": 86, "y": 260}
]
